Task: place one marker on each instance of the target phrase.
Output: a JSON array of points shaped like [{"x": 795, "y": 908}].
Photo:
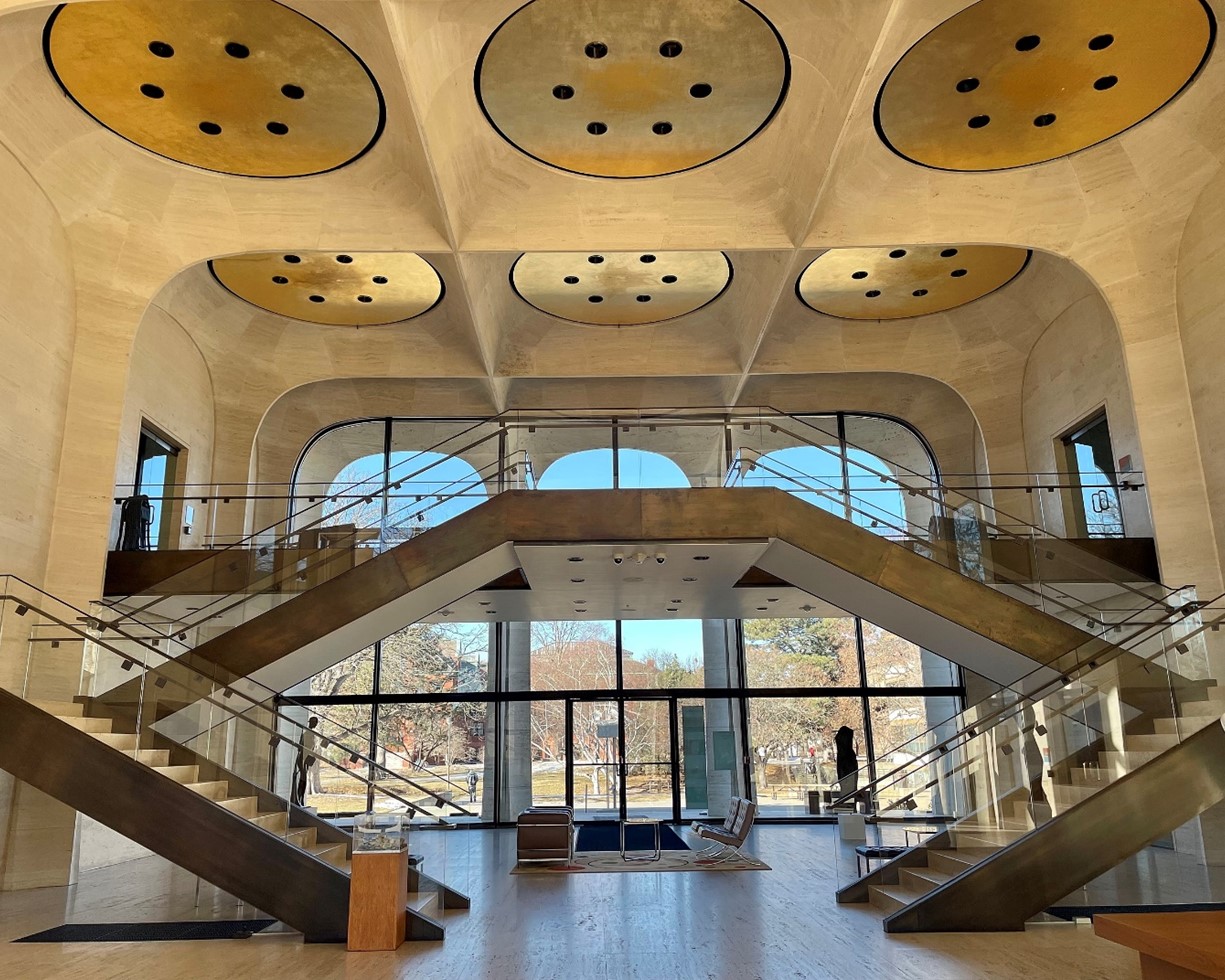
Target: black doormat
[
  {"x": 1070, "y": 912},
  {"x": 607, "y": 837},
  {"x": 149, "y": 932}
]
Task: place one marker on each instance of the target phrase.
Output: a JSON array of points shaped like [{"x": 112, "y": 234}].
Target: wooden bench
[{"x": 1172, "y": 945}]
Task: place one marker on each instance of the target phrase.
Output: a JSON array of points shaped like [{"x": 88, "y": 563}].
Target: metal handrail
[{"x": 231, "y": 689}]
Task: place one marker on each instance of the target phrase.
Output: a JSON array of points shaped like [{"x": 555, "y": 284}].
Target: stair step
[
  {"x": 61, "y": 709},
  {"x": 243, "y": 806},
  {"x": 303, "y": 837},
  {"x": 273, "y": 822},
  {"x": 955, "y": 862},
  {"x": 964, "y": 836},
  {"x": 1096, "y": 778},
  {"x": 891, "y": 898},
  {"x": 180, "y": 774},
  {"x": 335, "y": 854},
  {"x": 1149, "y": 743},
  {"x": 924, "y": 879},
  {"x": 153, "y": 757},
  {"x": 94, "y": 726},
  {"x": 116, "y": 740},
  {"x": 214, "y": 789},
  {"x": 1124, "y": 762},
  {"x": 1201, "y": 709}
]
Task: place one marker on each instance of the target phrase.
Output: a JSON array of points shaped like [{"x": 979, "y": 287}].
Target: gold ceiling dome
[
  {"x": 355, "y": 289},
  {"x": 903, "y": 281},
  {"x": 1006, "y": 84},
  {"x": 620, "y": 288},
  {"x": 631, "y": 88},
  {"x": 245, "y": 87}
]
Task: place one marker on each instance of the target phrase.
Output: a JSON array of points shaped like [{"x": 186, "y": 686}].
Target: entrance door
[
  {"x": 622, "y": 758},
  {"x": 594, "y": 759},
  {"x": 1089, "y": 457}
]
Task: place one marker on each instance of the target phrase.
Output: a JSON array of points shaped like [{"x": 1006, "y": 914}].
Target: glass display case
[{"x": 374, "y": 832}]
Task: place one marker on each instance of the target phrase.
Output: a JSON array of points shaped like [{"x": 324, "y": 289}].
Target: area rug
[
  {"x": 610, "y": 862},
  {"x": 598, "y": 851},
  {"x": 149, "y": 932},
  {"x": 606, "y": 836}
]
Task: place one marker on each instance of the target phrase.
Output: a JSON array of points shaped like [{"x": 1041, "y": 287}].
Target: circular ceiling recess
[
  {"x": 906, "y": 280},
  {"x": 620, "y": 288},
  {"x": 245, "y": 87},
  {"x": 1006, "y": 84},
  {"x": 355, "y": 289},
  {"x": 631, "y": 88}
]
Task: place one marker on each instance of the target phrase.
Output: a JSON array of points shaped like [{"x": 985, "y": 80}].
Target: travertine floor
[{"x": 700, "y": 926}]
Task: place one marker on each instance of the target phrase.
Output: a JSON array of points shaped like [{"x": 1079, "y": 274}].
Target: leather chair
[
  {"x": 545, "y": 834},
  {"x": 726, "y": 840}
]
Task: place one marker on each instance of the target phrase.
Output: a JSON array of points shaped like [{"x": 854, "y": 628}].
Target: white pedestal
[{"x": 851, "y": 826}]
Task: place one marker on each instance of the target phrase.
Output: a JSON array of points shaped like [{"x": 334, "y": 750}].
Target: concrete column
[
  {"x": 514, "y": 739},
  {"x": 718, "y": 661}
]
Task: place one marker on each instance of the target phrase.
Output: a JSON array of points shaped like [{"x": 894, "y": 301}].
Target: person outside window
[{"x": 472, "y": 781}]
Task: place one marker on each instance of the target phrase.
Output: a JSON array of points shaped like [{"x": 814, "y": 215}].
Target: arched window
[{"x": 592, "y": 469}]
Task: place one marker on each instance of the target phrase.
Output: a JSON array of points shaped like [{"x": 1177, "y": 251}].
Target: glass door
[
  {"x": 594, "y": 759},
  {"x": 621, "y": 758},
  {"x": 1089, "y": 458}
]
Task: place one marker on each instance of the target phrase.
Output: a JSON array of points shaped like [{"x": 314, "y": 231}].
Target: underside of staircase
[{"x": 280, "y": 859}]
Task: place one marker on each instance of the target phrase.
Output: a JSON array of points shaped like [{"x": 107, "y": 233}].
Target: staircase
[
  {"x": 276, "y": 857},
  {"x": 1013, "y": 855}
]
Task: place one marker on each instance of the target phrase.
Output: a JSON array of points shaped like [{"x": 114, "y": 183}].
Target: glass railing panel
[{"x": 1035, "y": 759}]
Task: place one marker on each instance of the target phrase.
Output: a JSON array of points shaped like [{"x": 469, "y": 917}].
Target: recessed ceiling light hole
[
  {"x": 379, "y": 280},
  {"x": 563, "y": 92},
  {"x": 668, "y": 279},
  {"x": 967, "y": 85},
  {"x": 670, "y": 49},
  {"x": 1101, "y": 42},
  {"x": 595, "y": 259},
  {"x": 861, "y": 274},
  {"x": 152, "y": 91},
  {"x": 897, "y": 253},
  {"x": 700, "y": 91},
  {"x": 236, "y": 50},
  {"x": 344, "y": 259},
  {"x": 643, "y": 298},
  {"x": 646, "y": 258},
  {"x": 280, "y": 280},
  {"x": 957, "y": 273},
  {"x": 597, "y": 128},
  {"x": 1044, "y": 120},
  {"x": 978, "y": 122},
  {"x": 161, "y": 49},
  {"x": 1106, "y": 82},
  {"x": 316, "y": 298},
  {"x": 872, "y": 293},
  {"x": 1028, "y": 42},
  {"x": 596, "y": 49},
  {"x": 595, "y": 299},
  {"x": 570, "y": 280},
  {"x": 210, "y": 128},
  {"x": 919, "y": 292},
  {"x": 292, "y": 91},
  {"x": 661, "y": 128},
  {"x": 293, "y": 259},
  {"x": 365, "y": 299},
  {"x": 948, "y": 253},
  {"x": 278, "y": 128}
]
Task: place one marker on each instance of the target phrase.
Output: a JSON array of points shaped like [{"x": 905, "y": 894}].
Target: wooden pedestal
[{"x": 377, "y": 894}]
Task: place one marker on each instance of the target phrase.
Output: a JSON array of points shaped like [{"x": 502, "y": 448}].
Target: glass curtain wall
[{"x": 671, "y": 717}]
